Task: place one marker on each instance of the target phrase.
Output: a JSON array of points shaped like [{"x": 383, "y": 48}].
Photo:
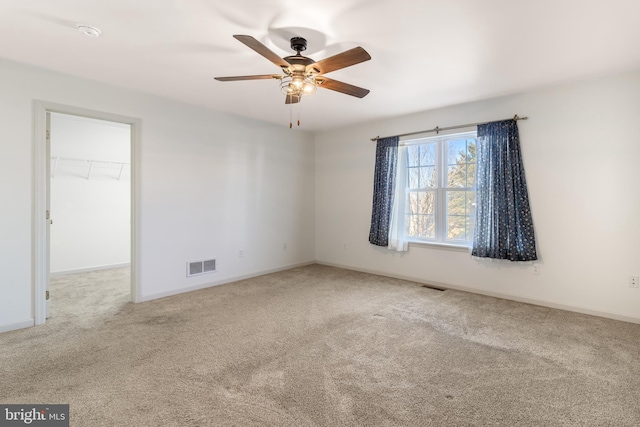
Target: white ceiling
[{"x": 425, "y": 54}]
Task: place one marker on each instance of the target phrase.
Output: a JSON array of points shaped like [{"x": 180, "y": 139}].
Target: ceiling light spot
[{"x": 89, "y": 31}]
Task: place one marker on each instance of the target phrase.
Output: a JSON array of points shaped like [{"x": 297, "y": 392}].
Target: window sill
[{"x": 442, "y": 246}]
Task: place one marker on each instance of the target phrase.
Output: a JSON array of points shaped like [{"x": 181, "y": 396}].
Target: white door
[{"x": 49, "y": 219}]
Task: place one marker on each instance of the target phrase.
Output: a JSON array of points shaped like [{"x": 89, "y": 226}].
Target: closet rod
[
  {"x": 438, "y": 129},
  {"x": 87, "y": 161}
]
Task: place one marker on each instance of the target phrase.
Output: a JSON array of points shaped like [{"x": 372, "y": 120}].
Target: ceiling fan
[{"x": 302, "y": 75}]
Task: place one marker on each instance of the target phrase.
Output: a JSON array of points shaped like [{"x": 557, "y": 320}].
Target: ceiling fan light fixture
[
  {"x": 309, "y": 87},
  {"x": 298, "y": 85},
  {"x": 285, "y": 86},
  {"x": 297, "y": 81}
]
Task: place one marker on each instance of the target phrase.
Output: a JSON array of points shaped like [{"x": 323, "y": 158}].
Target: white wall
[
  {"x": 581, "y": 151},
  {"x": 92, "y": 216},
  {"x": 211, "y": 184}
]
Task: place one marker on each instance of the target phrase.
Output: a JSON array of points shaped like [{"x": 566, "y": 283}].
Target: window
[{"x": 440, "y": 189}]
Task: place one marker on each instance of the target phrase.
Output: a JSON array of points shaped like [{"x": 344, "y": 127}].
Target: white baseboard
[
  {"x": 533, "y": 301},
  {"x": 87, "y": 269},
  {"x": 6, "y": 327},
  {"x": 221, "y": 282}
]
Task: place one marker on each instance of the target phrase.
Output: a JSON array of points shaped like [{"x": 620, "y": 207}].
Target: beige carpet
[{"x": 320, "y": 346}]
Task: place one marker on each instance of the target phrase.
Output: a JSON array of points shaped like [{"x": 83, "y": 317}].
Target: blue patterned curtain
[
  {"x": 383, "y": 189},
  {"x": 503, "y": 227}
]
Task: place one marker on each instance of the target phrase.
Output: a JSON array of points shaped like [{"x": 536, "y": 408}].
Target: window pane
[
  {"x": 428, "y": 177},
  {"x": 429, "y": 227},
  {"x": 427, "y": 202},
  {"x": 412, "y": 206},
  {"x": 423, "y": 226},
  {"x": 414, "y": 174},
  {"x": 456, "y": 227},
  {"x": 469, "y": 222},
  {"x": 459, "y": 204},
  {"x": 471, "y": 150},
  {"x": 421, "y": 202},
  {"x": 456, "y": 152},
  {"x": 410, "y": 225},
  {"x": 428, "y": 155},
  {"x": 471, "y": 175},
  {"x": 471, "y": 202},
  {"x": 457, "y": 175},
  {"x": 413, "y": 157},
  {"x": 420, "y": 226},
  {"x": 456, "y": 203},
  {"x": 414, "y": 225}
]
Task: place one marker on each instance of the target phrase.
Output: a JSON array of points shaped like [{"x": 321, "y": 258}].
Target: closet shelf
[{"x": 90, "y": 163}]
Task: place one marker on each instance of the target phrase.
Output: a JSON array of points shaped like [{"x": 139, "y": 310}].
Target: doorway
[
  {"x": 66, "y": 158},
  {"x": 90, "y": 195}
]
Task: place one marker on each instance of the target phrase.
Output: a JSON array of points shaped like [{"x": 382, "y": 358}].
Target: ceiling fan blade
[
  {"x": 342, "y": 60},
  {"x": 292, "y": 99},
  {"x": 342, "y": 87},
  {"x": 262, "y": 50},
  {"x": 257, "y": 77}
]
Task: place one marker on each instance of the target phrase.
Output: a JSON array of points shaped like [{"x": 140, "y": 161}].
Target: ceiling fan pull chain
[{"x": 290, "y": 116}]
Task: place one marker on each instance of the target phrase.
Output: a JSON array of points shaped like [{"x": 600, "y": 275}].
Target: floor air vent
[
  {"x": 435, "y": 288},
  {"x": 201, "y": 267}
]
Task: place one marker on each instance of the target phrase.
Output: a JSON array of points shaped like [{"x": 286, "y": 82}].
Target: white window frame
[{"x": 440, "y": 190}]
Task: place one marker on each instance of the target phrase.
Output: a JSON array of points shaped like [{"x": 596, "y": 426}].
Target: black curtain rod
[{"x": 438, "y": 129}]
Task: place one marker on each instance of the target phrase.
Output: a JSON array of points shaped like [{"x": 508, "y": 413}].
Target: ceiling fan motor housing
[{"x": 298, "y": 44}]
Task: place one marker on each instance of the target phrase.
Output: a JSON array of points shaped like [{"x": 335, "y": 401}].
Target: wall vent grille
[{"x": 196, "y": 268}]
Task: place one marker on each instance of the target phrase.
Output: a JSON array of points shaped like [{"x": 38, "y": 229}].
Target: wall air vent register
[{"x": 196, "y": 268}]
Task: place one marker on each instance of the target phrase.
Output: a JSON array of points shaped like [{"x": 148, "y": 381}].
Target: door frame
[{"x": 42, "y": 177}]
